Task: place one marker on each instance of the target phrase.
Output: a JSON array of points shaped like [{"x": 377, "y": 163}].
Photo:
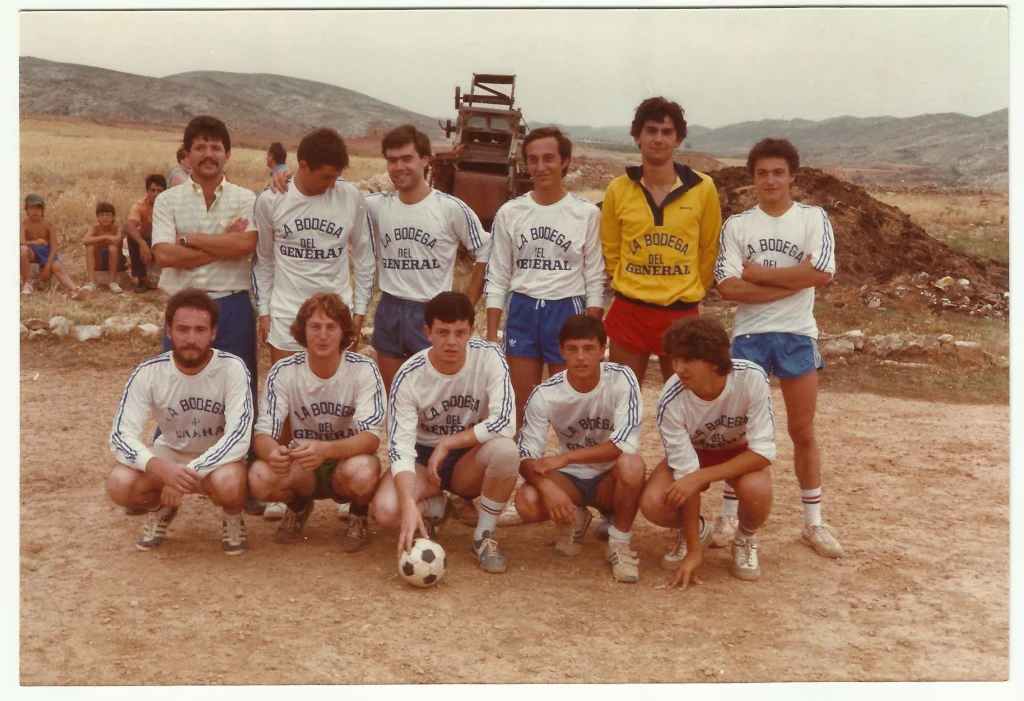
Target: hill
[{"x": 252, "y": 103}]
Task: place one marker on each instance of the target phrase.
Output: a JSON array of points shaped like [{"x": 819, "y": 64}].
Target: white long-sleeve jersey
[
  {"x": 427, "y": 405},
  {"x": 210, "y": 413},
  {"x": 304, "y": 247},
  {"x": 317, "y": 409},
  {"x": 546, "y": 251},
  {"x": 418, "y": 242},
  {"x": 777, "y": 242},
  {"x": 741, "y": 413},
  {"x": 610, "y": 412}
]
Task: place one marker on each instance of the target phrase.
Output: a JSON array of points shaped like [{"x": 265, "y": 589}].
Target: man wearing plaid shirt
[{"x": 203, "y": 234}]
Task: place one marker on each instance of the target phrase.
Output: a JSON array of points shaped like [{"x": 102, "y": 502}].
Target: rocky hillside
[{"x": 250, "y": 103}]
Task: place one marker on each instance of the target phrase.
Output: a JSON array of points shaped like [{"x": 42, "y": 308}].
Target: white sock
[
  {"x": 730, "y": 504},
  {"x": 433, "y": 507},
  {"x": 811, "y": 499},
  {"x": 230, "y": 518},
  {"x": 489, "y": 512},
  {"x": 617, "y": 536}
]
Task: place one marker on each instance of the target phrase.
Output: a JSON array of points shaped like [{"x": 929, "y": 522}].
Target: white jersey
[
  {"x": 609, "y": 412},
  {"x": 427, "y": 405},
  {"x": 777, "y": 242},
  {"x": 546, "y": 252},
  {"x": 317, "y": 409},
  {"x": 304, "y": 247},
  {"x": 742, "y": 413},
  {"x": 209, "y": 414},
  {"x": 418, "y": 242}
]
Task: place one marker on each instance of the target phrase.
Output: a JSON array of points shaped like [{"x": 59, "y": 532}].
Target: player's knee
[
  {"x": 802, "y": 433},
  {"x": 262, "y": 480},
  {"x": 386, "y": 510},
  {"x": 652, "y": 504},
  {"x": 755, "y": 487},
  {"x": 360, "y": 473},
  {"x": 24, "y": 253},
  {"x": 528, "y": 503},
  {"x": 228, "y": 485},
  {"x": 500, "y": 457},
  {"x": 120, "y": 486},
  {"x": 631, "y": 471}
]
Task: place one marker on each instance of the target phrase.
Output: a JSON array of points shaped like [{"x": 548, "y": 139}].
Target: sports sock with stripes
[
  {"x": 811, "y": 499},
  {"x": 730, "y": 504},
  {"x": 489, "y": 512},
  {"x": 743, "y": 533}
]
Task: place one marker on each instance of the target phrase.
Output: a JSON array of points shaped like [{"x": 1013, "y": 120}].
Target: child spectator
[
  {"x": 39, "y": 245},
  {"x": 139, "y": 230},
  {"x": 103, "y": 247}
]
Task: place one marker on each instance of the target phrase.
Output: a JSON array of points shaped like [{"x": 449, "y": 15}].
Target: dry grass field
[{"x": 896, "y": 445}]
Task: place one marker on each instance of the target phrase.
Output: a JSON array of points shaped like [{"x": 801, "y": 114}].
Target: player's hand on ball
[
  {"x": 686, "y": 572},
  {"x": 412, "y": 522},
  {"x": 309, "y": 455},
  {"x": 170, "y": 496},
  {"x": 280, "y": 460}
]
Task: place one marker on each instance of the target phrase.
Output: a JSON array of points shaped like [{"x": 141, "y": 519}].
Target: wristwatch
[{"x": 183, "y": 240}]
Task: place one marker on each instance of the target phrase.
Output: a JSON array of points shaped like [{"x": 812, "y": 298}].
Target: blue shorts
[
  {"x": 532, "y": 326},
  {"x": 423, "y": 453},
  {"x": 587, "y": 486},
  {"x": 102, "y": 260},
  {"x": 785, "y": 355},
  {"x": 398, "y": 327},
  {"x": 42, "y": 253}
]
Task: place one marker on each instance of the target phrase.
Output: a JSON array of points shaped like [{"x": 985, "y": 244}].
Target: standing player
[
  {"x": 333, "y": 401},
  {"x": 595, "y": 410},
  {"x": 306, "y": 236},
  {"x": 546, "y": 252},
  {"x": 450, "y": 427},
  {"x": 201, "y": 401},
  {"x": 418, "y": 230},
  {"x": 139, "y": 229},
  {"x": 659, "y": 228},
  {"x": 716, "y": 423},
  {"x": 772, "y": 257}
]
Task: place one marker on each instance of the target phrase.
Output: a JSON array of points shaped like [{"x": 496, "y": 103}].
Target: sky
[{"x": 578, "y": 66}]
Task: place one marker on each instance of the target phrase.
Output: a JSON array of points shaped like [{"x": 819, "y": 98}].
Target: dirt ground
[{"x": 919, "y": 502}]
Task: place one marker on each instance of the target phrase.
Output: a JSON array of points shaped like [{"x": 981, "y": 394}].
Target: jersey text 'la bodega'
[{"x": 609, "y": 412}]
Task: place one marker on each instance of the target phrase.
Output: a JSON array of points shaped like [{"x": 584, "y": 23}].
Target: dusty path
[{"x": 920, "y": 504}]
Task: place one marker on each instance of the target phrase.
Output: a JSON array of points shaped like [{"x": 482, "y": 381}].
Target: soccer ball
[{"x": 424, "y": 565}]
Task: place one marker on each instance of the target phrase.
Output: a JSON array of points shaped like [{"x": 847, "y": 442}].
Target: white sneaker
[
  {"x": 343, "y": 510},
  {"x": 275, "y": 511},
  {"x": 744, "y": 559},
  {"x": 509, "y": 516},
  {"x": 89, "y": 287},
  {"x": 723, "y": 530},
  {"x": 570, "y": 538},
  {"x": 674, "y": 556},
  {"x": 624, "y": 561},
  {"x": 26, "y": 289},
  {"x": 114, "y": 287},
  {"x": 822, "y": 538}
]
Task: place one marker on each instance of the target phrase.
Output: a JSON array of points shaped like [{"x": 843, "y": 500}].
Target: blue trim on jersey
[
  {"x": 115, "y": 435},
  {"x": 633, "y": 414},
  {"x": 244, "y": 427},
  {"x": 739, "y": 365},
  {"x": 552, "y": 381},
  {"x": 403, "y": 372},
  {"x": 276, "y": 423},
  {"x": 474, "y": 232},
  {"x": 505, "y": 412},
  {"x": 668, "y": 397},
  {"x": 378, "y": 405},
  {"x": 720, "y": 261}
]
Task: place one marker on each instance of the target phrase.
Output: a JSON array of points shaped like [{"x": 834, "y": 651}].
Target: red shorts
[
  {"x": 710, "y": 458},
  {"x": 638, "y": 328}
]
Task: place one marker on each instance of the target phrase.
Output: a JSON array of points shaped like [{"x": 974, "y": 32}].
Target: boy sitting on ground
[
  {"x": 39, "y": 245},
  {"x": 103, "y": 247}
]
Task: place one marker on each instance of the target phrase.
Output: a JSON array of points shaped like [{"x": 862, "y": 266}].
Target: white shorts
[
  {"x": 183, "y": 457},
  {"x": 280, "y": 336}
]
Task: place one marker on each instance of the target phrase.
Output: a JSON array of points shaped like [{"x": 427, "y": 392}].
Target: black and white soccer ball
[{"x": 424, "y": 565}]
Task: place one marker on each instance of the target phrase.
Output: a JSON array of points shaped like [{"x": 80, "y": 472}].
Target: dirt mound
[{"x": 881, "y": 252}]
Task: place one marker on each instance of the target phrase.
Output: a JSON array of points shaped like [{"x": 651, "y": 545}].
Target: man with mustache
[{"x": 201, "y": 402}]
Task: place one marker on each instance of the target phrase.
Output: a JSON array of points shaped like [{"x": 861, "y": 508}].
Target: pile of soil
[{"x": 880, "y": 251}]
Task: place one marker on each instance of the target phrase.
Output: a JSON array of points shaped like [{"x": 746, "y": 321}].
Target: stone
[
  {"x": 875, "y": 303},
  {"x": 37, "y": 334},
  {"x": 919, "y": 346},
  {"x": 858, "y": 338},
  {"x": 84, "y": 333},
  {"x": 970, "y": 351},
  {"x": 841, "y": 363},
  {"x": 838, "y": 346},
  {"x": 36, "y": 324},
  {"x": 944, "y": 282},
  {"x": 963, "y": 282},
  {"x": 119, "y": 325},
  {"x": 946, "y": 338},
  {"x": 60, "y": 326},
  {"x": 148, "y": 330},
  {"x": 24, "y": 330}
]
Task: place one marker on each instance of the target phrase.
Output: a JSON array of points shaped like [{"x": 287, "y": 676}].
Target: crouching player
[
  {"x": 594, "y": 409},
  {"x": 201, "y": 402},
  {"x": 450, "y": 427},
  {"x": 334, "y": 403},
  {"x": 715, "y": 418}
]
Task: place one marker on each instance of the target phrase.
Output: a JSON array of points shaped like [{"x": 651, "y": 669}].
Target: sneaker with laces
[
  {"x": 114, "y": 287},
  {"x": 510, "y": 516},
  {"x": 723, "y": 530},
  {"x": 822, "y": 538},
  {"x": 672, "y": 558},
  {"x": 155, "y": 530},
  {"x": 624, "y": 561},
  {"x": 135, "y": 511},
  {"x": 343, "y": 510},
  {"x": 465, "y": 510},
  {"x": 488, "y": 555},
  {"x": 570, "y": 538},
  {"x": 274, "y": 510},
  {"x": 744, "y": 559},
  {"x": 88, "y": 287},
  {"x": 606, "y": 522},
  {"x": 26, "y": 289},
  {"x": 357, "y": 536},
  {"x": 232, "y": 535},
  {"x": 433, "y": 524},
  {"x": 290, "y": 528}
]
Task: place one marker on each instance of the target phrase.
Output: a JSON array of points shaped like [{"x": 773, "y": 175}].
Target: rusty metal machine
[{"x": 484, "y": 168}]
